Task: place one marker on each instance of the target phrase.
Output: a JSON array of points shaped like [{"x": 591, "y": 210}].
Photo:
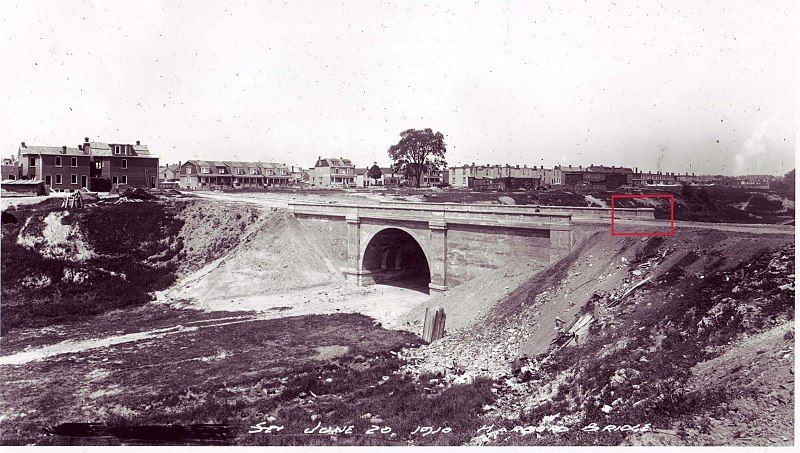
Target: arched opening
[{"x": 393, "y": 257}]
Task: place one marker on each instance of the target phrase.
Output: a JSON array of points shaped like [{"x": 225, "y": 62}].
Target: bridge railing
[{"x": 577, "y": 212}]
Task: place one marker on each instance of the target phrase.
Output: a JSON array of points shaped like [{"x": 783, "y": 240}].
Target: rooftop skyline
[{"x": 675, "y": 87}]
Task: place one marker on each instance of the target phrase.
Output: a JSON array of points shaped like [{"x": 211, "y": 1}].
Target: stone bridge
[{"x": 441, "y": 245}]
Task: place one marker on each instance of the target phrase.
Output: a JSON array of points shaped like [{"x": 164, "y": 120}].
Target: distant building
[
  {"x": 391, "y": 178},
  {"x": 169, "y": 173},
  {"x": 643, "y": 179},
  {"x": 202, "y": 174},
  {"x": 498, "y": 177},
  {"x": 298, "y": 174},
  {"x": 68, "y": 169},
  {"x": 122, "y": 163},
  {"x": 11, "y": 169},
  {"x": 333, "y": 172}
]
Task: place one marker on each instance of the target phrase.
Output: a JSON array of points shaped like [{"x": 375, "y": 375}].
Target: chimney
[
  {"x": 138, "y": 143},
  {"x": 23, "y": 145},
  {"x": 80, "y": 147},
  {"x": 64, "y": 149}
]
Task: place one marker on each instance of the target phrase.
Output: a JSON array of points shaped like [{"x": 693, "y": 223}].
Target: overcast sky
[{"x": 674, "y": 86}]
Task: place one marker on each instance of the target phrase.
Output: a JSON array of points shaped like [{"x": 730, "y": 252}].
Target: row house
[
  {"x": 202, "y": 174},
  {"x": 658, "y": 178},
  {"x": 66, "y": 169},
  {"x": 333, "y": 172},
  {"x": 500, "y": 177},
  {"x": 595, "y": 177}
]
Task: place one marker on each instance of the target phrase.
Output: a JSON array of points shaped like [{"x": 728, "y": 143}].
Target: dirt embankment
[
  {"x": 272, "y": 256},
  {"x": 620, "y": 331},
  {"x": 60, "y": 265}
]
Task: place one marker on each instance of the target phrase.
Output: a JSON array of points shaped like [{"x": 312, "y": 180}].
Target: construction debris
[{"x": 434, "y": 324}]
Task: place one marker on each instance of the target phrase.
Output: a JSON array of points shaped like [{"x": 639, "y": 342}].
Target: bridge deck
[
  {"x": 478, "y": 215},
  {"x": 577, "y": 212}
]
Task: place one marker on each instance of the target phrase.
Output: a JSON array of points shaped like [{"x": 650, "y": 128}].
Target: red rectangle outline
[{"x": 671, "y": 231}]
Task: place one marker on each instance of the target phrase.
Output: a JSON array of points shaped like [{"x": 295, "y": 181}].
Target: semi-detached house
[
  {"x": 206, "y": 174},
  {"x": 66, "y": 169}
]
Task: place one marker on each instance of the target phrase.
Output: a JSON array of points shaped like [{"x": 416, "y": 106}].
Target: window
[
  {"x": 205, "y": 170},
  {"x": 31, "y": 161},
  {"x": 117, "y": 149},
  {"x": 73, "y": 179},
  {"x": 124, "y": 164},
  {"x": 221, "y": 170},
  {"x": 188, "y": 170},
  {"x": 114, "y": 180},
  {"x": 98, "y": 165},
  {"x": 58, "y": 179},
  {"x": 12, "y": 177},
  {"x": 253, "y": 171},
  {"x": 48, "y": 180},
  {"x": 58, "y": 161},
  {"x": 73, "y": 162},
  {"x": 124, "y": 179}
]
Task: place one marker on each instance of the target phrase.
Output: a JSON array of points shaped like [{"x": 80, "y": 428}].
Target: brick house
[
  {"x": 123, "y": 163},
  {"x": 65, "y": 169},
  {"x": 62, "y": 169}
]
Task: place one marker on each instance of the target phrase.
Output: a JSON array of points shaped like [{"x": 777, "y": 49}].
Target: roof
[
  {"x": 361, "y": 171},
  {"x": 211, "y": 164},
  {"x": 333, "y": 162},
  {"x": 51, "y": 150},
  {"x": 104, "y": 149}
]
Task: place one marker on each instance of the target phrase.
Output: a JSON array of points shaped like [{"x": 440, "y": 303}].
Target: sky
[{"x": 685, "y": 86}]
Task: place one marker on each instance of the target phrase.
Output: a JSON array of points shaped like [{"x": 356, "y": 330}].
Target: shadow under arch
[{"x": 394, "y": 257}]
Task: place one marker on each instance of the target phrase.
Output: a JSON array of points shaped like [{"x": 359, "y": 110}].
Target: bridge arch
[{"x": 394, "y": 256}]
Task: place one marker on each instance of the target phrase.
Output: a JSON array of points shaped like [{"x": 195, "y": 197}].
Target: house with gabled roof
[
  {"x": 333, "y": 172},
  {"x": 63, "y": 168},
  {"x": 203, "y": 174},
  {"x": 122, "y": 163}
]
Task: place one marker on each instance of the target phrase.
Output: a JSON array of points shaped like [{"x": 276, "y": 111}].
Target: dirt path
[
  {"x": 75, "y": 346},
  {"x": 386, "y": 304}
]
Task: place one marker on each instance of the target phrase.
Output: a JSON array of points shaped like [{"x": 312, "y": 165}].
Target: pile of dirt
[
  {"x": 273, "y": 256},
  {"x": 47, "y": 233},
  {"x": 211, "y": 229}
]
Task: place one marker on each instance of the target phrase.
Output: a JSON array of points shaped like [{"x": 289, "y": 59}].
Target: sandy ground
[{"x": 386, "y": 304}]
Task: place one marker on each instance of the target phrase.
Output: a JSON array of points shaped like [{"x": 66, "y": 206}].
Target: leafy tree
[
  {"x": 374, "y": 173},
  {"x": 418, "y": 151}
]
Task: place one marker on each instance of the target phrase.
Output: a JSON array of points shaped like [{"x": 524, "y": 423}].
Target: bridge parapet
[
  {"x": 447, "y": 213},
  {"x": 577, "y": 212}
]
